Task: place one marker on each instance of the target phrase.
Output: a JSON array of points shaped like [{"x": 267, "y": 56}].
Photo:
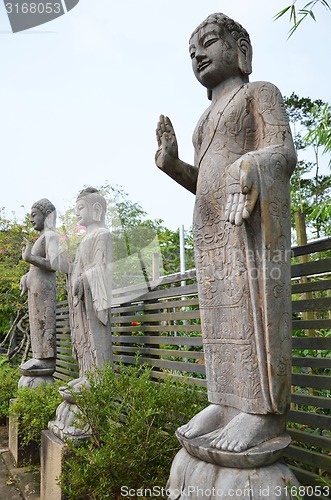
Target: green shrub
[
  {"x": 133, "y": 421},
  {"x": 9, "y": 377},
  {"x": 33, "y": 409}
]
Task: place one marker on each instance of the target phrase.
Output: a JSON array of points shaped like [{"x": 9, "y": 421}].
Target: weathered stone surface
[
  {"x": 244, "y": 157},
  {"x": 34, "y": 380},
  {"x": 64, "y": 425},
  {"x": 89, "y": 291},
  {"x": 90, "y": 287},
  {"x": 261, "y": 455},
  {"x": 40, "y": 284},
  {"x": 194, "y": 479},
  {"x": 52, "y": 456}
]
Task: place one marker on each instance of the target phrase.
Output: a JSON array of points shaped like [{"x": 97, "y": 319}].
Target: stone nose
[{"x": 200, "y": 54}]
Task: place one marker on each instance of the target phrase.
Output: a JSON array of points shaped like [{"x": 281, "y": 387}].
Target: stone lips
[{"x": 258, "y": 456}]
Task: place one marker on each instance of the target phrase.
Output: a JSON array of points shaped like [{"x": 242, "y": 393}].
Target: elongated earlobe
[
  {"x": 97, "y": 212},
  {"x": 245, "y": 54},
  {"x": 50, "y": 219}
]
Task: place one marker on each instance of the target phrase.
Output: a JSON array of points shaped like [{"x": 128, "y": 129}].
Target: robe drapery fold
[{"x": 90, "y": 318}]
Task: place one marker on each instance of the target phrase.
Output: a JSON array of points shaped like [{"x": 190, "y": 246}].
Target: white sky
[{"x": 80, "y": 96}]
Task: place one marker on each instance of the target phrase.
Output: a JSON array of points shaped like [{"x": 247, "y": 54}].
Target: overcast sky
[{"x": 81, "y": 95}]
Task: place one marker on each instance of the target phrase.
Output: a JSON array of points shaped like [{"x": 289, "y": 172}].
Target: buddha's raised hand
[{"x": 167, "y": 152}]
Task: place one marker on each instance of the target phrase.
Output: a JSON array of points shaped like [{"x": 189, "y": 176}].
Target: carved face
[
  {"x": 214, "y": 54},
  {"x": 37, "y": 219},
  {"x": 84, "y": 212}
]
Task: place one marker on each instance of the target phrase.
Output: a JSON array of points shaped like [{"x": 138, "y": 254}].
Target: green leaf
[{"x": 282, "y": 12}]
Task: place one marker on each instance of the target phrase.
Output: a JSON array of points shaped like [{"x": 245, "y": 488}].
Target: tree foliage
[
  {"x": 321, "y": 133},
  {"x": 310, "y": 190},
  {"x": 33, "y": 409},
  {"x": 133, "y": 422},
  {"x": 9, "y": 377},
  {"x": 12, "y": 268}
]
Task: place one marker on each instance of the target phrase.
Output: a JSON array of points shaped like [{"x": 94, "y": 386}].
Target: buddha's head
[
  {"x": 220, "y": 49},
  {"x": 43, "y": 215},
  {"x": 91, "y": 207}
]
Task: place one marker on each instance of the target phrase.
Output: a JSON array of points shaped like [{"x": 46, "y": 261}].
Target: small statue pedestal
[
  {"x": 33, "y": 381},
  {"x": 20, "y": 454},
  {"x": 34, "y": 377},
  {"x": 51, "y": 456},
  {"x": 202, "y": 472},
  {"x": 53, "y": 448}
]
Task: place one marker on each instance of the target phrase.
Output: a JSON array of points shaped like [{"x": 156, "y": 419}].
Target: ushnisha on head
[
  {"x": 232, "y": 53},
  {"x": 91, "y": 207},
  {"x": 43, "y": 215}
]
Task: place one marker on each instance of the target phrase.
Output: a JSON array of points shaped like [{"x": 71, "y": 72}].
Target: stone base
[
  {"x": 194, "y": 479},
  {"x": 263, "y": 454},
  {"x": 52, "y": 455},
  {"x": 34, "y": 381},
  {"x": 20, "y": 455},
  {"x": 64, "y": 424}
]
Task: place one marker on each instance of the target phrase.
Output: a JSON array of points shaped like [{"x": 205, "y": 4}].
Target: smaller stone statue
[
  {"x": 89, "y": 291},
  {"x": 40, "y": 284}
]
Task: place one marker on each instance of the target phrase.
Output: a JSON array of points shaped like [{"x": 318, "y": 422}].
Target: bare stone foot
[
  {"x": 78, "y": 382},
  {"x": 246, "y": 430},
  {"x": 205, "y": 421}
]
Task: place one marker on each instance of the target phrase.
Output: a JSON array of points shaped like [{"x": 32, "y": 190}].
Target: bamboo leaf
[{"x": 282, "y": 12}]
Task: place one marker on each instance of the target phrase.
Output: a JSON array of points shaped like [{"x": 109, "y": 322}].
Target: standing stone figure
[
  {"x": 40, "y": 284},
  {"x": 89, "y": 291},
  {"x": 244, "y": 157},
  {"x": 90, "y": 287}
]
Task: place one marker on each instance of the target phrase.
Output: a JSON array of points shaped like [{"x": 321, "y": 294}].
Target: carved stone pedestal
[
  {"x": 53, "y": 448},
  {"x": 64, "y": 424},
  {"x": 201, "y": 472},
  {"x": 52, "y": 455},
  {"x": 34, "y": 377},
  {"x": 35, "y": 381}
]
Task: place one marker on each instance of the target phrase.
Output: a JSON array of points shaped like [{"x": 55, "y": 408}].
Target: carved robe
[
  {"x": 244, "y": 271},
  {"x": 90, "y": 318},
  {"x": 41, "y": 286}
]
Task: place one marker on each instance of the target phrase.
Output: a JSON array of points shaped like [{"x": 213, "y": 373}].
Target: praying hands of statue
[
  {"x": 78, "y": 291},
  {"x": 167, "y": 152},
  {"x": 243, "y": 190}
]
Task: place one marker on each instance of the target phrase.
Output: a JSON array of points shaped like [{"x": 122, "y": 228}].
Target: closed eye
[{"x": 210, "y": 41}]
